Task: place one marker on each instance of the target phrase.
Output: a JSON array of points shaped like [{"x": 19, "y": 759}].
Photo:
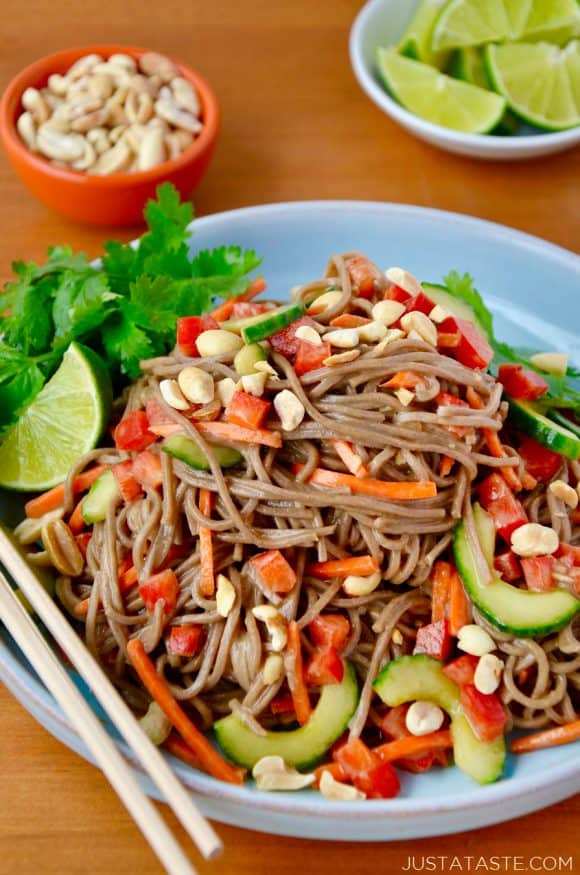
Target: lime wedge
[
  {"x": 439, "y": 98},
  {"x": 474, "y": 22},
  {"x": 65, "y": 420},
  {"x": 469, "y": 65},
  {"x": 416, "y": 41},
  {"x": 540, "y": 82}
]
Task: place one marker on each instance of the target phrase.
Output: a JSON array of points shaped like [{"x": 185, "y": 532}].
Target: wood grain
[{"x": 295, "y": 126}]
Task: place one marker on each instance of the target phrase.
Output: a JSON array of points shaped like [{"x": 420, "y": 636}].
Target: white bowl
[{"x": 382, "y": 23}]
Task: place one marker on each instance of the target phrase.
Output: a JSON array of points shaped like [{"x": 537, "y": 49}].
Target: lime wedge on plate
[
  {"x": 65, "y": 420},
  {"x": 540, "y": 82},
  {"x": 469, "y": 65},
  {"x": 474, "y": 22},
  {"x": 438, "y": 98},
  {"x": 416, "y": 41}
]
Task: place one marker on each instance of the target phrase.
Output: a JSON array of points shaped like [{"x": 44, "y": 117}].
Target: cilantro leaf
[
  {"x": 29, "y": 327},
  {"x": 17, "y": 393},
  {"x": 127, "y": 344},
  {"x": 81, "y": 304},
  {"x": 224, "y": 261}
]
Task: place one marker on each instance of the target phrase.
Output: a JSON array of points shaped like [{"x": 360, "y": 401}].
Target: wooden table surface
[{"x": 295, "y": 126}]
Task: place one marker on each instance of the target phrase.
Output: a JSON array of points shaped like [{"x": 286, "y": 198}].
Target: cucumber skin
[
  {"x": 189, "y": 453},
  {"x": 441, "y": 295},
  {"x": 107, "y": 485},
  {"x": 550, "y": 434},
  {"x": 271, "y": 322}
]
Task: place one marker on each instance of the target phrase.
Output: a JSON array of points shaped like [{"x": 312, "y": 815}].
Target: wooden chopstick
[
  {"x": 174, "y": 793},
  {"x": 88, "y": 726}
]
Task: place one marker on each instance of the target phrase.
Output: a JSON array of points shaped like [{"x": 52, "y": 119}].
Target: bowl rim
[
  {"x": 484, "y": 142},
  {"x": 39, "y": 69}
]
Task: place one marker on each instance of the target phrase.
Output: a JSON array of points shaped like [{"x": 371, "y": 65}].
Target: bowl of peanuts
[{"x": 93, "y": 131}]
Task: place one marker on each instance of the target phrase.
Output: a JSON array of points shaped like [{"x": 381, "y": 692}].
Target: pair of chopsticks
[{"x": 54, "y": 676}]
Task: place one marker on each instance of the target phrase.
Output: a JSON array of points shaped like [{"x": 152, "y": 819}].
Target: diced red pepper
[
  {"x": 396, "y": 293},
  {"x": 247, "y": 410},
  {"x": 473, "y": 350},
  {"x": 129, "y": 487},
  {"x": 132, "y": 433},
  {"x": 365, "y": 770},
  {"x": 329, "y": 630},
  {"x": 485, "y": 713},
  {"x": 365, "y": 276},
  {"x": 508, "y": 566},
  {"x": 446, "y": 399},
  {"x": 324, "y": 667},
  {"x": 185, "y": 640},
  {"x": 83, "y": 540},
  {"x": 163, "y": 585},
  {"x": 156, "y": 414},
  {"x": 522, "y": 384},
  {"x": 147, "y": 469},
  {"x": 310, "y": 356},
  {"x": 283, "y": 703},
  {"x": 285, "y": 341},
  {"x": 421, "y": 303},
  {"x": 462, "y": 670},
  {"x": 188, "y": 330},
  {"x": 394, "y": 726},
  {"x": 498, "y": 500},
  {"x": 540, "y": 462},
  {"x": 245, "y": 309},
  {"x": 568, "y": 554},
  {"x": 274, "y": 571},
  {"x": 434, "y": 639},
  {"x": 538, "y": 573}
]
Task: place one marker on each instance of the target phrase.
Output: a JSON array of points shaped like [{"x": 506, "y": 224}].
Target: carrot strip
[
  {"x": 547, "y": 738},
  {"x": 52, "y": 499},
  {"x": 413, "y": 744},
  {"x": 225, "y": 310},
  {"x": 127, "y": 577},
  {"x": 351, "y": 458},
  {"x": 359, "y": 565},
  {"x": 76, "y": 522},
  {"x": 296, "y": 681},
  {"x": 440, "y": 594},
  {"x": 209, "y": 758},
  {"x": 389, "y": 490},
  {"x": 459, "y": 606},
  {"x": 335, "y": 769},
  {"x": 81, "y": 609},
  {"x": 178, "y": 749},
  {"x": 404, "y": 380},
  {"x": 239, "y": 434},
  {"x": 528, "y": 482},
  {"x": 493, "y": 442},
  {"x": 445, "y": 465},
  {"x": 207, "y": 573},
  {"x": 349, "y": 320},
  {"x": 165, "y": 429}
]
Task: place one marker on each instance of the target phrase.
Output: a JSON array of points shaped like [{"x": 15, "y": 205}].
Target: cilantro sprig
[
  {"x": 125, "y": 309},
  {"x": 563, "y": 391}
]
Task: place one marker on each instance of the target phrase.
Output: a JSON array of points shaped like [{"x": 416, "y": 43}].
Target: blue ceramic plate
[{"x": 532, "y": 288}]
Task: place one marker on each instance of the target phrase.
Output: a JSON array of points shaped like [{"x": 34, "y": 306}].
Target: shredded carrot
[
  {"x": 225, "y": 310},
  {"x": 348, "y": 320},
  {"x": 54, "y": 498},
  {"x": 528, "y": 482},
  {"x": 445, "y": 465},
  {"x": 459, "y": 607},
  {"x": 238, "y": 434},
  {"x": 207, "y": 573},
  {"x": 412, "y": 745},
  {"x": 493, "y": 442},
  {"x": 165, "y": 429},
  {"x": 334, "y": 769},
  {"x": 359, "y": 565},
  {"x": 127, "y": 577},
  {"x": 296, "y": 682},
  {"x": 389, "y": 490},
  {"x": 209, "y": 758},
  {"x": 404, "y": 380},
  {"x": 81, "y": 609},
  {"x": 351, "y": 458},
  {"x": 523, "y": 675},
  {"x": 440, "y": 594},
  {"x": 547, "y": 738},
  {"x": 178, "y": 748},
  {"x": 76, "y": 522}
]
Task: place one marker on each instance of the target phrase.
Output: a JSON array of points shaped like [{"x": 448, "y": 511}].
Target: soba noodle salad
[{"x": 324, "y": 544}]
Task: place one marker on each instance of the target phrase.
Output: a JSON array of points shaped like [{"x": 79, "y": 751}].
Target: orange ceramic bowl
[{"x": 117, "y": 199}]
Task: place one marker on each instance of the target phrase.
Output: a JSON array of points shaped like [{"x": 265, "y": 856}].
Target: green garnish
[{"x": 125, "y": 309}]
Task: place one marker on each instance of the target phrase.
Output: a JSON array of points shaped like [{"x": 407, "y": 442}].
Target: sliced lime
[
  {"x": 416, "y": 41},
  {"x": 65, "y": 420},
  {"x": 474, "y": 22},
  {"x": 469, "y": 65},
  {"x": 438, "y": 98},
  {"x": 540, "y": 82}
]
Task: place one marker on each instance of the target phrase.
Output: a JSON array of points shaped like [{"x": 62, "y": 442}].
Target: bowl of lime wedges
[{"x": 491, "y": 79}]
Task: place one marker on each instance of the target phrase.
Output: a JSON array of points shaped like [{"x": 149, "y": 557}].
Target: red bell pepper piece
[
  {"x": 420, "y": 302},
  {"x": 508, "y": 566},
  {"x": 274, "y": 571},
  {"x": 522, "y": 384},
  {"x": 163, "y": 585},
  {"x": 473, "y": 350},
  {"x": 365, "y": 276},
  {"x": 132, "y": 433},
  {"x": 462, "y": 670},
  {"x": 185, "y": 640},
  {"x": 83, "y": 540},
  {"x": 247, "y": 410},
  {"x": 283, "y": 703},
  {"x": 365, "y": 770},
  {"x": 285, "y": 341},
  {"x": 329, "y": 630},
  {"x": 394, "y": 726},
  {"x": 540, "y": 462},
  {"x": 485, "y": 713},
  {"x": 310, "y": 356},
  {"x": 498, "y": 500},
  {"x": 569, "y": 555},
  {"x": 396, "y": 293},
  {"x": 129, "y": 487},
  {"x": 324, "y": 667},
  {"x": 538, "y": 573},
  {"x": 188, "y": 330},
  {"x": 245, "y": 309},
  {"x": 147, "y": 469},
  {"x": 434, "y": 639}
]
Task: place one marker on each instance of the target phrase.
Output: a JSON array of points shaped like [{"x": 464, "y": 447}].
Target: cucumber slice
[
  {"x": 419, "y": 677},
  {"x": 527, "y": 418},
  {"x": 103, "y": 493},
  {"x": 246, "y": 358},
  {"x": 186, "y": 450},
  {"x": 456, "y": 306},
  {"x": 562, "y": 420},
  {"x": 260, "y": 327},
  {"x": 302, "y": 747},
  {"x": 517, "y": 611}
]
